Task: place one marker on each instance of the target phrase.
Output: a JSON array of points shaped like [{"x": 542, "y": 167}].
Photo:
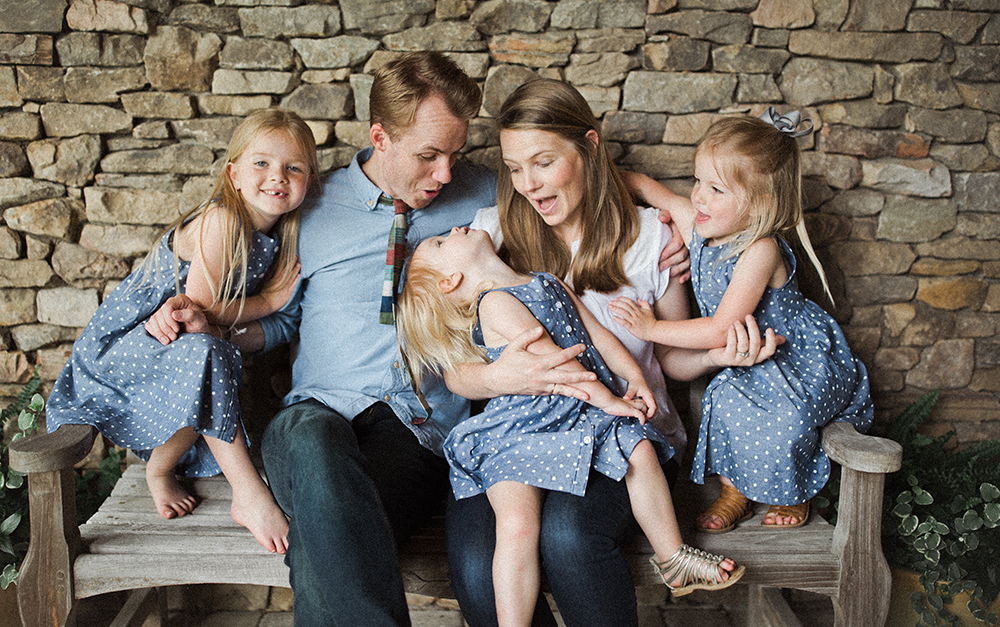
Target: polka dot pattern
[
  {"x": 549, "y": 442},
  {"x": 138, "y": 392},
  {"x": 760, "y": 425}
]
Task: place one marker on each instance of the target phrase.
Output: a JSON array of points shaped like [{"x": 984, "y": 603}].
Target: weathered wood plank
[{"x": 100, "y": 574}]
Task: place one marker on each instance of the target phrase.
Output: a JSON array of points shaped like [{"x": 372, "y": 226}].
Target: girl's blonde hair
[
  {"x": 762, "y": 165},
  {"x": 434, "y": 329},
  {"x": 237, "y": 239},
  {"x": 610, "y": 220}
]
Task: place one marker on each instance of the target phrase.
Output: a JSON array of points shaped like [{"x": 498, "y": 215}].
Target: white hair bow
[{"x": 787, "y": 123}]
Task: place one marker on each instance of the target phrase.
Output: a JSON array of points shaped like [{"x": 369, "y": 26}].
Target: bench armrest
[
  {"x": 863, "y": 453},
  {"x": 45, "y": 452}
]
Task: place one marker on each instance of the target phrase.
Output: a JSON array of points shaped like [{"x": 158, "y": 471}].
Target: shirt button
[
  {"x": 395, "y": 364},
  {"x": 386, "y": 398},
  {"x": 371, "y": 202},
  {"x": 586, "y": 440}
]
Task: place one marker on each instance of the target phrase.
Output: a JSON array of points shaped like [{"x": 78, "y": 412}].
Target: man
[{"x": 351, "y": 459}]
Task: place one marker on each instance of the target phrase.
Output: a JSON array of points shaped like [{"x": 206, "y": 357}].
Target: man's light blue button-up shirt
[{"x": 346, "y": 359}]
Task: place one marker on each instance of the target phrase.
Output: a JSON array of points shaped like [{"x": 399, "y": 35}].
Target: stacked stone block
[{"x": 114, "y": 117}]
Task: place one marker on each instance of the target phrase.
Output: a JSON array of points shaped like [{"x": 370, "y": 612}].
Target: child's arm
[
  {"x": 201, "y": 238},
  {"x": 663, "y": 198},
  {"x": 616, "y": 356},
  {"x": 756, "y": 269},
  {"x": 504, "y": 318},
  {"x": 685, "y": 364}
]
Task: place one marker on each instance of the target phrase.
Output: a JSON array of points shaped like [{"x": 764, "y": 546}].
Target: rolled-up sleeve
[{"x": 280, "y": 327}]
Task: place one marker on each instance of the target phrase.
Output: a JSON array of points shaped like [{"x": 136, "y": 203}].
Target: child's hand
[
  {"x": 634, "y": 407},
  {"x": 277, "y": 292},
  {"x": 636, "y": 316},
  {"x": 640, "y": 395}
]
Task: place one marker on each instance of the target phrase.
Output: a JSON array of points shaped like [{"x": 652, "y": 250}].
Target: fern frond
[
  {"x": 905, "y": 425},
  {"x": 22, "y": 399}
]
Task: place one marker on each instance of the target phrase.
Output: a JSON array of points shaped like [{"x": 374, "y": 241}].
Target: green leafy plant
[
  {"x": 26, "y": 409},
  {"x": 941, "y": 518},
  {"x": 92, "y": 486}
]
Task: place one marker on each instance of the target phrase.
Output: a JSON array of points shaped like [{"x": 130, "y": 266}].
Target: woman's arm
[
  {"x": 520, "y": 371},
  {"x": 504, "y": 317},
  {"x": 753, "y": 273}
]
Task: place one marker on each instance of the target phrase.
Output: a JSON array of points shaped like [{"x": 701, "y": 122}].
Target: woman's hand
[
  {"x": 743, "y": 345},
  {"x": 519, "y": 371}
]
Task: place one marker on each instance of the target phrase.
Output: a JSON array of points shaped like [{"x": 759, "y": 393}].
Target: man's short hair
[{"x": 405, "y": 82}]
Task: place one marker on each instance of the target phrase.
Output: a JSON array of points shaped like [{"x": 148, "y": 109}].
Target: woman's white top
[{"x": 649, "y": 284}]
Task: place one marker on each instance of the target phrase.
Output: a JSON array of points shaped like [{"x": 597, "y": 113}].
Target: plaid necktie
[{"x": 394, "y": 258}]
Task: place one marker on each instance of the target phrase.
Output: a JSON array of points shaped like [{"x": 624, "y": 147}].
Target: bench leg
[
  {"x": 766, "y": 607},
  {"x": 865, "y": 580},
  {"x": 45, "y": 581},
  {"x": 142, "y": 604}
]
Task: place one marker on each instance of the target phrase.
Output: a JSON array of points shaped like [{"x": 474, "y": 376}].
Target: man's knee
[{"x": 307, "y": 428}]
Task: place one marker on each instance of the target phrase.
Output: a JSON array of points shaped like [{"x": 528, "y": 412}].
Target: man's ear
[
  {"x": 450, "y": 283},
  {"x": 379, "y": 136}
]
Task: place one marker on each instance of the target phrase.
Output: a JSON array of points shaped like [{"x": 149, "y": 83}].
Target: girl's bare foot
[
  {"x": 256, "y": 510},
  {"x": 169, "y": 497},
  {"x": 787, "y": 516}
]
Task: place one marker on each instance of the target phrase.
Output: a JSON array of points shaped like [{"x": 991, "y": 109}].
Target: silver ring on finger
[{"x": 742, "y": 354}]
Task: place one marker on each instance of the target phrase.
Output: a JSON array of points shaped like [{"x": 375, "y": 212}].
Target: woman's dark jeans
[{"x": 581, "y": 556}]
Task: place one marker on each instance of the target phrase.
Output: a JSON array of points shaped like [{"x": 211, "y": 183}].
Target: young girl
[
  {"x": 461, "y": 303},
  {"x": 176, "y": 403},
  {"x": 760, "y": 425}
]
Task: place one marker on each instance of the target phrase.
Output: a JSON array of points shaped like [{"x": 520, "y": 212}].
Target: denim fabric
[
  {"x": 331, "y": 476},
  {"x": 589, "y": 577}
]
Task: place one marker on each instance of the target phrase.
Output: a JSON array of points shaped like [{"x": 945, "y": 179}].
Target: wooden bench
[{"x": 127, "y": 546}]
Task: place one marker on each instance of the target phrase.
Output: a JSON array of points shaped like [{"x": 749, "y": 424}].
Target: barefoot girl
[
  {"x": 760, "y": 425},
  {"x": 174, "y": 400},
  {"x": 461, "y": 303}
]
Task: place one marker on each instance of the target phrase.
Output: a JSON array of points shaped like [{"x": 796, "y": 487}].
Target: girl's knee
[{"x": 519, "y": 526}]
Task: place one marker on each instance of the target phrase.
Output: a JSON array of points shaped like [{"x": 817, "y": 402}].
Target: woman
[{"x": 564, "y": 208}]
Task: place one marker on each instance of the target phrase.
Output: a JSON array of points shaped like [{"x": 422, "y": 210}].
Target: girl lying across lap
[
  {"x": 171, "y": 398},
  {"x": 461, "y": 303},
  {"x": 760, "y": 430}
]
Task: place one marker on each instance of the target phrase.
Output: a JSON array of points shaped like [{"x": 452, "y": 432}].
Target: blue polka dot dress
[
  {"x": 549, "y": 442},
  {"x": 138, "y": 392},
  {"x": 760, "y": 424}
]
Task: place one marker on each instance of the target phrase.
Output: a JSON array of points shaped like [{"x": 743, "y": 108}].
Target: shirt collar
[{"x": 367, "y": 191}]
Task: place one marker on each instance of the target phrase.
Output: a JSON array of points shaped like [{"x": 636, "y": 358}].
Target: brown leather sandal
[
  {"x": 800, "y": 511},
  {"x": 731, "y": 507}
]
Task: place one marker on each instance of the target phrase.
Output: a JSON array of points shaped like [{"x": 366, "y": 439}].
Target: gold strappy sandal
[
  {"x": 731, "y": 507},
  {"x": 696, "y": 569}
]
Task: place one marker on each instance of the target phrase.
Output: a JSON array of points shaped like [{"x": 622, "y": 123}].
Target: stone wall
[{"x": 114, "y": 117}]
